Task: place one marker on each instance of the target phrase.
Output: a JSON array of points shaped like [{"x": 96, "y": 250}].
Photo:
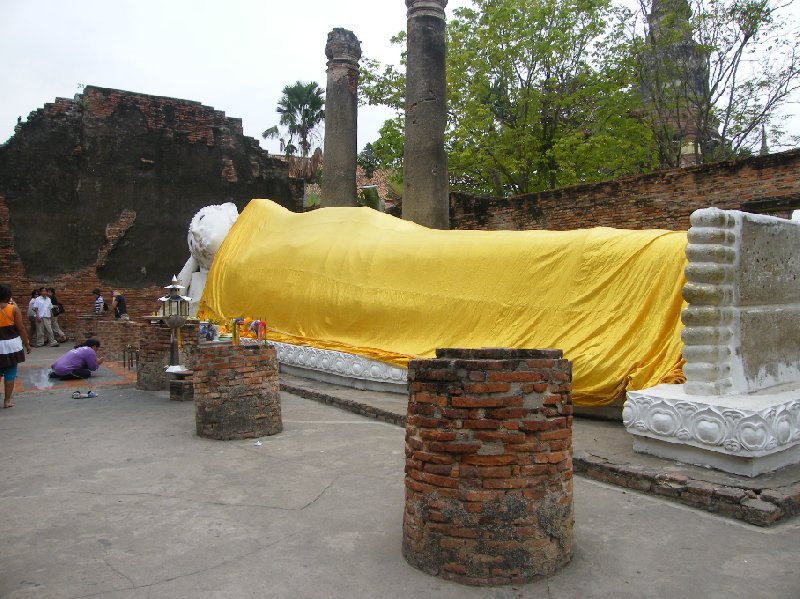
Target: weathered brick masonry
[
  {"x": 236, "y": 391},
  {"x": 115, "y": 335},
  {"x": 99, "y": 190},
  {"x": 489, "y": 465},
  {"x": 660, "y": 200},
  {"x": 154, "y": 351}
]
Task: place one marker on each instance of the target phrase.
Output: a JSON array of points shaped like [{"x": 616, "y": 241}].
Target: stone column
[
  {"x": 425, "y": 188},
  {"x": 153, "y": 355},
  {"x": 489, "y": 465},
  {"x": 236, "y": 391},
  {"x": 341, "y": 119}
]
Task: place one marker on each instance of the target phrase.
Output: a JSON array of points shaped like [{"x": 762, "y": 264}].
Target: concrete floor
[{"x": 117, "y": 498}]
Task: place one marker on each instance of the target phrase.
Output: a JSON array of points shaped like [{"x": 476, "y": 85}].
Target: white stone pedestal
[{"x": 742, "y": 434}]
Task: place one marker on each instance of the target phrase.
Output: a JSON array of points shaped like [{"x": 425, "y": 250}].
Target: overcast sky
[{"x": 233, "y": 55}]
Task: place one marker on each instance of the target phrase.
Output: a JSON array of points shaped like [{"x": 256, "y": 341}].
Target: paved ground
[{"x": 117, "y": 498}]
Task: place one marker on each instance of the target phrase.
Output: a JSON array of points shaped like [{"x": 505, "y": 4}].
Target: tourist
[
  {"x": 13, "y": 342},
  {"x": 99, "y": 302},
  {"x": 32, "y": 317},
  {"x": 118, "y": 306},
  {"x": 44, "y": 328},
  {"x": 78, "y": 363},
  {"x": 58, "y": 310}
]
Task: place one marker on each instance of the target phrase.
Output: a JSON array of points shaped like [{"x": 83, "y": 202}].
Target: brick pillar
[
  {"x": 489, "y": 465},
  {"x": 189, "y": 342},
  {"x": 425, "y": 183},
  {"x": 154, "y": 347},
  {"x": 236, "y": 391},
  {"x": 153, "y": 355},
  {"x": 343, "y": 51},
  {"x": 114, "y": 334},
  {"x": 88, "y": 326}
]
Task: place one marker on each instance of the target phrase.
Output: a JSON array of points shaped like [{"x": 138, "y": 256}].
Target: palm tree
[{"x": 301, "y": 112}]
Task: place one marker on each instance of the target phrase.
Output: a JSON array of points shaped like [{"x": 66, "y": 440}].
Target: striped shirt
[{"x": 11, "y": 350}]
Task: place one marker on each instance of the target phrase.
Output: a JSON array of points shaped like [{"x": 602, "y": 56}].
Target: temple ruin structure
[
  {"x": 341, "y": 119},
  {"x": 425, "y": 182},
  {"x": 739, "y": 410}
]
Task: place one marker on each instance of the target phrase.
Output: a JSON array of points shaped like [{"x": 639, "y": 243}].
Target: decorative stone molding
[
  {"x": 337, "y": 363},
  {"x": 708, "y": 339},
  {"x": 740, "y": 430},
  {"x": 343, "y": 47},
  {"x": 427, "y": 8},
  {"x": 739, "y": 410},
  {"x": 744, "y": 302}
]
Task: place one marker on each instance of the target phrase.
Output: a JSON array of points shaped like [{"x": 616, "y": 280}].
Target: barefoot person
[
  {"x": 13, "y": 342},
  {"x": 78, "y": 363}
]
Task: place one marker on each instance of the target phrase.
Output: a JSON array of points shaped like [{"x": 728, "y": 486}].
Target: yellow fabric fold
[{"x": 359, "y": 281}]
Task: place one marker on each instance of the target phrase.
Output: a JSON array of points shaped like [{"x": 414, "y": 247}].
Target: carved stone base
[
  {"x": 338, "y": 368},
  {"x": 741, "y": 434}
]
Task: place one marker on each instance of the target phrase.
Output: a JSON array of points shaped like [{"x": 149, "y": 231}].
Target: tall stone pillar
[
  {"x": 425, "y": 190},
  {"x": 341, "y": 119}
]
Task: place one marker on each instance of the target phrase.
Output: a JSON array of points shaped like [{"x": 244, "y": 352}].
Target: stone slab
[{"x": 746, "y": 434}]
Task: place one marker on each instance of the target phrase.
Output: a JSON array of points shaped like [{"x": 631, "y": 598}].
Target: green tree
[
  {"x": 388, "y": 147},
  {"x": 301, "y": 110},
  {"x": 385, "y": 85},
  {"x": 714, "y": 74},
  {"x": 539, "y": 95},
  {"x": 368, "y": 161}
]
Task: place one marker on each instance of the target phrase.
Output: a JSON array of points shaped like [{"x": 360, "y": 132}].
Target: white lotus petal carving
[
  {"x": 753, "y": 429},
  {"x": 334, "y": 362}
]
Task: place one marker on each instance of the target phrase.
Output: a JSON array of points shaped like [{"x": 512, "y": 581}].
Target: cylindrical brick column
[
  {"x": 425, "y": 183},
  {"x": 341, "y": 119},
  {"x": 489, "y": 465},
  {"x": 154, "y": 348},
  {"x": 236, "y": 391},
  {"x": 153, "y": 355}
]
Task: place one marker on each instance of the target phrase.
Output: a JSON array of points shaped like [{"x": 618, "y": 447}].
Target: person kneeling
[{"x": 78, "y": 363}]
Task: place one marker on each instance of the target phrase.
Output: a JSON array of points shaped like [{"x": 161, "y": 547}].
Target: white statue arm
[{"x": 185, "y": 276}]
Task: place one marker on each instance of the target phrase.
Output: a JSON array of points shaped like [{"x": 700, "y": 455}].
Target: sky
[{"x": 233, "y": 55}]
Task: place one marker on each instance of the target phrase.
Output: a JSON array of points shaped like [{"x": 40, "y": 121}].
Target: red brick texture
[
  {"x": 660, "y": 200},
  {"x": 115, "y": 335},
  {"x": 154, "y": 351},
  {"x": 74, "y": 290},
  {"x": 236, "y": 391},
  {"x": 489, "y": 465},
  {"x": 98, "y": 191}
]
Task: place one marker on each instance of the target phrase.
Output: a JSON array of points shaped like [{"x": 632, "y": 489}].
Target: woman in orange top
[{"x": 13, "y": 339}]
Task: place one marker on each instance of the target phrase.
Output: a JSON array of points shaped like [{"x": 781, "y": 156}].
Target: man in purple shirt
[{"x": 78, "y": 363}]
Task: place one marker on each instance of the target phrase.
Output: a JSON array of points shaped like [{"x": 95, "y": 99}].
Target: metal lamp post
[{"x": 174, "y": 312}]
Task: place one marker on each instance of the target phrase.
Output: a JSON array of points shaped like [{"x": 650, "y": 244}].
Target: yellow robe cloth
[{"x": 362, "y": 282}]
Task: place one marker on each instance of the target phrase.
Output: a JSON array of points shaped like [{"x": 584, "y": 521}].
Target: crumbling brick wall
[
  {"x": 99, "y": 190},
  {"x": 660, "y": 200}
]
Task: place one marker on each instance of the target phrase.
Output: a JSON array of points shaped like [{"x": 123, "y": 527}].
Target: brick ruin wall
[
  {"x": 99, "y": 190},
  {"x": 660, "y": 200}
]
